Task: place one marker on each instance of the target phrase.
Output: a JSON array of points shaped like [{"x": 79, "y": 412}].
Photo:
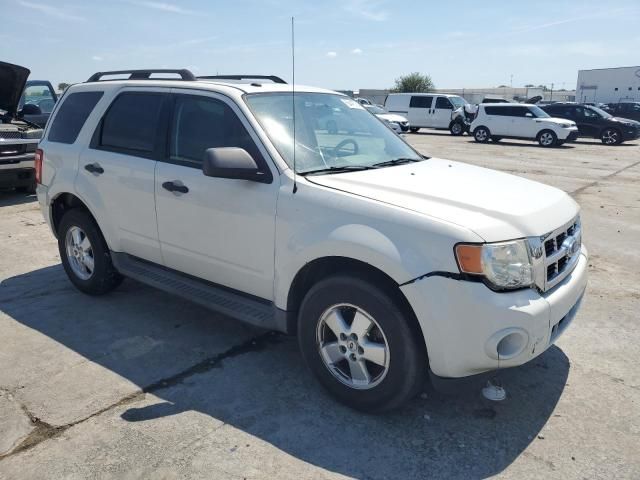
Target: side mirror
[
  {"x": 30, "y": 109},
  {"x": 234, "y": 163}
]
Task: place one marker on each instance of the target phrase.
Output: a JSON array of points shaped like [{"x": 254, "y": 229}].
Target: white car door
[
  {"x": 420, "y": 110},
  {"x": 524, "y": 122},
  {"x": 218, "y": 229},
  {"x": 116, "y": 173},
  {"x": 497, "y": 120},
  {"x": 441, "y": 116}
]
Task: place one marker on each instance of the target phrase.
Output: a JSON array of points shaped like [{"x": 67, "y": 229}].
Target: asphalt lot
[{"x": 138, "y": 384}]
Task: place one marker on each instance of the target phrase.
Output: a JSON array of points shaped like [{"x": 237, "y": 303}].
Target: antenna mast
[{"x": 293, "y": 99}]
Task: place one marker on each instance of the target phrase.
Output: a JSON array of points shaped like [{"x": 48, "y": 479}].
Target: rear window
[
  {"x": 131, "y": 123},
  {"x": 71, "y": 117},
  {"x": 420, "y": 102}
]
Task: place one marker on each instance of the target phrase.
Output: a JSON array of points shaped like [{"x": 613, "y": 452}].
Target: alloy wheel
[
  {"x": 352, "y": 346},
  {"x": 547, "y": 139},
  {"x": 79, "y": 253},
  {"x": 610, "y": 137}
]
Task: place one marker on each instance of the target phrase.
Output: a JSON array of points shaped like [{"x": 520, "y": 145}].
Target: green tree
[
  {"x": 413, "y": 83},
  {"x": 63, "y": 86}
]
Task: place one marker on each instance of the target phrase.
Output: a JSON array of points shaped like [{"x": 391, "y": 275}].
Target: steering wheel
[{"x": 338, "y": 150}]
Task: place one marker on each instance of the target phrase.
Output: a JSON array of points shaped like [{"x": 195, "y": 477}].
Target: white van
[{"x": 424, "y": 110}]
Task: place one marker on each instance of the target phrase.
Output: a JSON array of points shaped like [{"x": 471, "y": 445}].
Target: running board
[{"x": 257, "y": 312}]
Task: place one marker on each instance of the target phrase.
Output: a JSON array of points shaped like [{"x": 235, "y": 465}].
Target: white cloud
[
  {"x": 51, "y": 11},
  {"x": 367, "y": 9},
  {"x": 166, "y": 7},
  {"x": 96, "y": 58},
  {"x": 332, "y": 54},
  {"x": 357, "y": 51}
]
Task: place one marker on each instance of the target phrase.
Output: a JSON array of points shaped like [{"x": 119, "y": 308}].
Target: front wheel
[
  {"x": 85, "y": 255},
  {"x": 457, "y": 129},
  {"x": 360, "y": 345},
  {"x": 611, "y": 136},
  {"x": 414, "y": 129},
  {"x": 481, "y": 134},
  {"x": 547, "y": 138}
]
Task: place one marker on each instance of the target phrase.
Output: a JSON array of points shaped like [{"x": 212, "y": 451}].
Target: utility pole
[
  {"x": 551, "y": 96},
  {"x": 511, "y": 81}
]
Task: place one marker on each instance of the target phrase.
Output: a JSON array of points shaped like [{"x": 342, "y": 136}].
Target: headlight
[
  {"x": 504, "y": 265},
  {"x": 565, "y": 125}
]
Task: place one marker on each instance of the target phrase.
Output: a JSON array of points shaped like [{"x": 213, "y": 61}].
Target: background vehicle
[
  {"x": 379, "y": 259},
  {"x": 630, "y": 110},
  {"x": 424, "y": 110},
  {"x": 398, "y": 122},
  {"x": 18, "y": 137},
  {"x": 593, "y": 122},
  {"x": 39, "y": 93},
  {"x": 521, "y": 121},
  {"x": 495, "y": 100},
  {"x": 462, "y": 118}
]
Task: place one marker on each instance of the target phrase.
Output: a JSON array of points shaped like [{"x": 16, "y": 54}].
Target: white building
[{"x": 609, "y": 85}]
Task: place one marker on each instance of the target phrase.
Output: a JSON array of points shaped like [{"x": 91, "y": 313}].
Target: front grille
[
  {"x": 561, "y": 249},
  {"x": 11, "y": 150},
  {"x": 10, "y": 134}
]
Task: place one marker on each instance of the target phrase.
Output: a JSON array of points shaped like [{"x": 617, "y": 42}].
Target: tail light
[{"x": 39, "y": 158}]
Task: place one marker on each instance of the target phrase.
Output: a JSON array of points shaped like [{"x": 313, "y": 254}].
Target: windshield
[
  {"x": 37, "y": 94},
  {"x": 332, "y": 132},
  {"x": 600, "y": 112},
  {"x": 538, "y": 112},
  {"x": 375, "y": 110},
  {"x": 458, "y": 102}
]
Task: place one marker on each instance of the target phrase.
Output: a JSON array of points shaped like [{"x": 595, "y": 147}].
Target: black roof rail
[
  {"x": 144, "y": 74},
  {"x": 273, "y": 78}
]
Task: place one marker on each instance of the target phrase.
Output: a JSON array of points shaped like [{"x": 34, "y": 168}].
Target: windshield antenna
[{"x": 293, "y": 99}]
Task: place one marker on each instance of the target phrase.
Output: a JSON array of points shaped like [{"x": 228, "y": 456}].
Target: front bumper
[
  {"x": 470, "y": 329},
  {"x": 573, "y": 136},
  {"x": 17, "y": 171},
  {"x": 629, "y": 134}
]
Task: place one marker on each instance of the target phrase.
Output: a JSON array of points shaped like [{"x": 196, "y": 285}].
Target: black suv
[
  {"x": 630, "y": 110},
  {"x": 596, "y": 123}
]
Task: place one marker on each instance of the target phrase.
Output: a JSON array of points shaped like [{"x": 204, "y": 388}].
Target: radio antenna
[{"x": 293, "y": 98}]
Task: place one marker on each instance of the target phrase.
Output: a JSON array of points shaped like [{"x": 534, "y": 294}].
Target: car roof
[
  {"x": 423, "y": 94},
  {"x": 505, "y": 105}
]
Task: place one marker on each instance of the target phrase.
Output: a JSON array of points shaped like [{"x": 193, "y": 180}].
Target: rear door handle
[
  {"x": 94, "y": 168},
  {"x": 174, "y": 187}
]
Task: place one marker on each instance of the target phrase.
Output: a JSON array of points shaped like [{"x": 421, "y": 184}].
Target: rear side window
[
  {"x": 443, "y": 102},
  {"x": 200, "y": 123},
  {"x": 74, "y": 111},
  {"x": 502, "y": 111},
  {"x": 131, "y": 123},
  {"x": 518, "y": 111},
  {"x": 420, "y": 102}
]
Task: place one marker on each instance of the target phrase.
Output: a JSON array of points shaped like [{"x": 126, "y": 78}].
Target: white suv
[
  {"x": 386, "y": 264},
  {"x": 495, "y": 121}
]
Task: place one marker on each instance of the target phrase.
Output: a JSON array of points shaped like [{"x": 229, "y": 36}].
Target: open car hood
[{"x": 12, "y": 81}]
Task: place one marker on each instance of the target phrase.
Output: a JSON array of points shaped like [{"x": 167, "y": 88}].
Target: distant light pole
[
  {"x": 511, "y": 81},
  {"x": 551, "y": 96}
]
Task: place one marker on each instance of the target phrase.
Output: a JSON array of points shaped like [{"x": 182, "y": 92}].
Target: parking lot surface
[{"x": 139, "y": 384}]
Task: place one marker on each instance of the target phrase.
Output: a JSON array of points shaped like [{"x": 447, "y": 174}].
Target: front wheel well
[
  {"x": 63, "y": 203},
  {"x": 322, "y": 268}
]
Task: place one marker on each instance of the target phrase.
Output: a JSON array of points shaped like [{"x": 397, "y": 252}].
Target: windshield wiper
[
  {"x": 397, "y": 161},
  {"x": 340, "y": 169}
]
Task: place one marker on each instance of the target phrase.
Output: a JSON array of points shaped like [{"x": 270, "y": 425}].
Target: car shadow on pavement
[
  {"x": 523, "y": 143},
  {"x": 256, "y": 383},
  {"x": 12, "y": 197}
]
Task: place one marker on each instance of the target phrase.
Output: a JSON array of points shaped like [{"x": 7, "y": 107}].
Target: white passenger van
[{"x": 424, "y": 110}]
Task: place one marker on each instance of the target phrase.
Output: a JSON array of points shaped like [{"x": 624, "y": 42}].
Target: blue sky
[{"x": 340, "y": 44}]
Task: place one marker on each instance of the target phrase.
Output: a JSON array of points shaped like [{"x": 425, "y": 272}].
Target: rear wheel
[
  {"x": 85, "y": 255},
  {"x": 359, "y": 344},
  {"x": 481, "y": 134},
  {"x": 611, "y": 136},
  {"x": 547, "y": 138}
]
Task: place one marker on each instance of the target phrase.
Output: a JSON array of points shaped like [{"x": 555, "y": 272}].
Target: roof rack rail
[
  {"x": 273, "y": 78},
  {"x": 144, "y": 74}
]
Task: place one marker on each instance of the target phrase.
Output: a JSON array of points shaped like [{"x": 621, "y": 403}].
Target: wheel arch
[
  {"x": 64, "y": 202},
  {"x": 323, "y": 267}
]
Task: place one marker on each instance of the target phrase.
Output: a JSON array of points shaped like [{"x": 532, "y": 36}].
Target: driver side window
[{"x": 200, "y": 123}]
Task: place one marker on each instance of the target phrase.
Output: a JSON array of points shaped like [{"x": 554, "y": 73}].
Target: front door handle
[
  {"x": 174, "y": 187},
  {"x": 94, "y": 168}
]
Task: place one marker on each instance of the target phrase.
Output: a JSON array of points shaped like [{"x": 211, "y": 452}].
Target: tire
[
  {"x": 404, "y": 129},
  {"x": 414, "y": 129},
  {"x": 77, "y": 228},
  {"x": 400, "y": 369},
  {"x": 611, "y": 136},
  {"x": 547, "y": 139},
  {"x": 481, "y": 134},
  {"x": 496, "y": 139},
  {"x": 457, "y": 129}
]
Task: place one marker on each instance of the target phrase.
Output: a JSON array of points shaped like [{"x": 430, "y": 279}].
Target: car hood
[
  {"x": 555, "y": 120},
  {"x": 12, "y": 81},
  {"x": 628, "y": 121},
  {"x": 497, "y": 206},
  {"x": 391, "y": 117}
]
